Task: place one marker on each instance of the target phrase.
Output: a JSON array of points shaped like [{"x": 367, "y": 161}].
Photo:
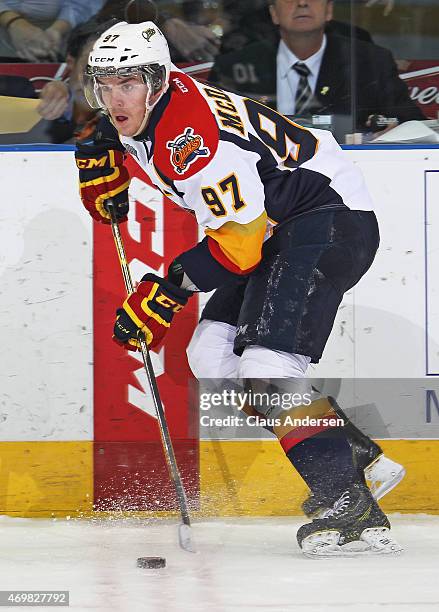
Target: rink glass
[{"x": 227, "y": 29}]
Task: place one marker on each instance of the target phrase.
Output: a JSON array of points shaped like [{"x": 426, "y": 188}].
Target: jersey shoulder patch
[{"x": 187, "y": 134}]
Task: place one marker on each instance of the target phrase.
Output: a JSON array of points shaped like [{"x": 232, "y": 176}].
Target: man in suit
[{"x": 303, "y": 71}]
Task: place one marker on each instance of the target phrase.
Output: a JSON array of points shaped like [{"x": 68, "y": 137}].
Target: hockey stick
[{"x": 184, "y": 531}]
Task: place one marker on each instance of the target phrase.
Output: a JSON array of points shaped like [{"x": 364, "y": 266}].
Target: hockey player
[{"x": 288, "y": 229}]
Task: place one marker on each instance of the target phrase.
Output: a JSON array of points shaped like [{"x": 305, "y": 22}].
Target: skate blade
[
  {"x": 379, "y": 542},
  {"x": 372, "y": 542},
  {"x": 321, "y": 545},
  {"x": 383, "y": 475}
]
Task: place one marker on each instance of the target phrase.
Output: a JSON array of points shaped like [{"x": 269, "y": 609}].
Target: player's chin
[
  {"x": 125, "y": 131},
  {"x": 124, "y": 125}
]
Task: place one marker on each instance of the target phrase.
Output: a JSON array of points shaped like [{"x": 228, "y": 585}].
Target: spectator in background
[
  {"x": 302, "y": 71},
  {"x": 63, "y": 102},
  {"x": 249, "y": 20},
  {"x": 36, "y": 31},
  {"x": 245, "y": 22},
  {"x": 189, "y": 37},
  {"x": 63, "y": 108}
]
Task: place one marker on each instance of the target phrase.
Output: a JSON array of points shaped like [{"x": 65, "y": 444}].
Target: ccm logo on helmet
[{"x": 104, "y": 59}]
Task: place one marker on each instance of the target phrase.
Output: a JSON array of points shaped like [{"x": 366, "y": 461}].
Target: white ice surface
[{"x": 242, "y": 565}]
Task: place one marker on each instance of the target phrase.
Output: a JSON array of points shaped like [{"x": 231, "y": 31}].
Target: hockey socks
[
  {"x": 318, "y": 448},
  {"x": 325, "y": 462}
]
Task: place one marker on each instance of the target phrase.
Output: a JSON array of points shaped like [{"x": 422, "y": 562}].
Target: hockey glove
[
  {"x": 102, "y": 175},
  {"x": 148, "y": 311}
]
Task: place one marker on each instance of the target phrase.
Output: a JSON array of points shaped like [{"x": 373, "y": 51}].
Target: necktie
[{"x": 303, "y": 94}]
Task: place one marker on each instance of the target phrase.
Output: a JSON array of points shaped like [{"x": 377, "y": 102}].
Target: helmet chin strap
[
  {"x": 148, "y": 111},
  {"x": 144, "y": 122}
]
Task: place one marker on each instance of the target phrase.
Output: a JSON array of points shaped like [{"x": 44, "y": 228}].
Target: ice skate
[
  {"x": 382, "y": 475},
  {"x": 379, "y": 472},
  {"x": 353, "y": 526}
]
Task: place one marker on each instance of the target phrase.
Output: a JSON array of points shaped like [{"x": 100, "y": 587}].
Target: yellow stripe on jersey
[{"x": 241, "y": 244}]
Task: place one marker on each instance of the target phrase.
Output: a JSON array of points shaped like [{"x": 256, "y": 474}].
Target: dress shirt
[{"x": 288, "y": 78}]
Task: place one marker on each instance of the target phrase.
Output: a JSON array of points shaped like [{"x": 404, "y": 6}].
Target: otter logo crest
[{"x": 185, "y": 150}]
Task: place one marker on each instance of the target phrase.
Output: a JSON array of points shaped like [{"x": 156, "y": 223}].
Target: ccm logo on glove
[
  {"x": 89, "y": 164},
  {"x": 148, "y": 312},
  {"x": 102, "y": 177}
]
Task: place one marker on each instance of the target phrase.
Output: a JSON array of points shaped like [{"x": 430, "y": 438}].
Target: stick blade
[{"x": 185, "y": 538}]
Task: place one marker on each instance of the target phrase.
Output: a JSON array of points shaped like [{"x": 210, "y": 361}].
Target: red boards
[{"x": 129, "y": 467}]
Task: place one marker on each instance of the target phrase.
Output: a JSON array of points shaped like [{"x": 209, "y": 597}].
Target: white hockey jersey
[{"x": 242, "y": 168}]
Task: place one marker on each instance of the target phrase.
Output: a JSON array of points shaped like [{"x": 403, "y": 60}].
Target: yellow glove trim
[
  {"x": 148, "y": 311},
  {"x": 103, "y": 179},
  {"x": 148, "y": 338},
  {"x": 101, "y": 199},
  {"x": 144, "y": 305}
]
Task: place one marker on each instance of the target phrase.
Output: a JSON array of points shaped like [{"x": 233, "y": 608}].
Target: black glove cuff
[
  {"x": 181, "y": 295},
  {"x": 175, "y": 273}
]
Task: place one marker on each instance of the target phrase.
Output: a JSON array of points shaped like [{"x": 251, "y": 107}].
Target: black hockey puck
[{"x": 151, "y": 562}]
